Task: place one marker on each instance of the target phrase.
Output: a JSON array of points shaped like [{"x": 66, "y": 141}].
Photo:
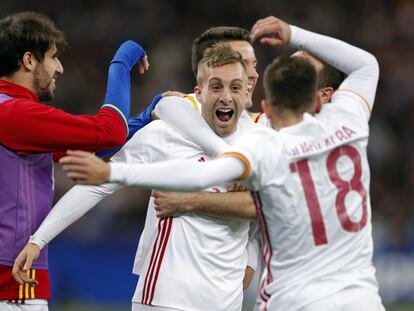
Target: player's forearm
[
  {"x": 361, "y": 66},
  {"x": 72, "y": 206},
  {"x": 180, "y": 175},
  {"x": 118, "y": 91},
  {"x": 229, "y": 205},
  {"x": 182, "y": 116}
]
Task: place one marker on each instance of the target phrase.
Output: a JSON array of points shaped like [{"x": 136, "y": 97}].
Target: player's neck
[
  {"x": 21, "y": 79},
  {"x": 285, "y": 119}
]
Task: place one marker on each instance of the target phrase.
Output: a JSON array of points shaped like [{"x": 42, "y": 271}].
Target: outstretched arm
[{"x": 179, "y": 175}]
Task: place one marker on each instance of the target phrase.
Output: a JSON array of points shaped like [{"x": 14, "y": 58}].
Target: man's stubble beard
[{"x": 42, "y": 84}]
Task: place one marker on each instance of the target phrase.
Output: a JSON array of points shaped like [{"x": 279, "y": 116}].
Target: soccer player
[
  {"x": 200, "y": 259},
  {"x": 310, "y": 179},
  {"x": 175, "y": 112},
  {"x": 31, "y": 133}
]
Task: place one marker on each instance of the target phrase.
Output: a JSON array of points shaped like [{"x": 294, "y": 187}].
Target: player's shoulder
[
  {"x": 261, "y": 139},
  {"x": 149, "y": 144},
  {"x": 348, "y": 102},
  {"x": 263, "y": 133},
  {"x": 154, "y": 132},
  {"x": 188, "y": 99},
  {"x": 23, "y": 105}
]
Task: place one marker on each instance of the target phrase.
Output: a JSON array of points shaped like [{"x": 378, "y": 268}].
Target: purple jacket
[{"x": 26, "y": 194}]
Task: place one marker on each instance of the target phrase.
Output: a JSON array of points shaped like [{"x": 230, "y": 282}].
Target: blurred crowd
[{"x": 166, "y": 29}]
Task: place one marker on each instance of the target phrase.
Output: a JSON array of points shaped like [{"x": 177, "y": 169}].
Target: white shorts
[
  {"x": 351, "y": 299},
  {"x": 30, "y": 305},
  {"x": 141, "y": 307}
]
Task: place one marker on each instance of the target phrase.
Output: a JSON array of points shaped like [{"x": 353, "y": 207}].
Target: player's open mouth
[{"x": 224, "y": 114}]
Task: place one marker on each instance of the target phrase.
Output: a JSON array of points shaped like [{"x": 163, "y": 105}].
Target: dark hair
[
  {"x": 27, "y": 32},
  {"x": 212, "y": 36},
  {"x": 290, "y": 83},
  {"x": 330, "y": 76},
  {"x": 220, "y": 54}
]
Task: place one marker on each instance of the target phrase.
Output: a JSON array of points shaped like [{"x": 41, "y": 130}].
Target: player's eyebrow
[
  {"x": 215, "y": 79},
  {"x": 237, "y": 80}
]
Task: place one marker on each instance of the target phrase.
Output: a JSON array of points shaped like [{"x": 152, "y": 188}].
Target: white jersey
[
  {"x": 313, "y": 188},
  {"x": 191, "y": 262},
  {"x": 311, "y": 182}
]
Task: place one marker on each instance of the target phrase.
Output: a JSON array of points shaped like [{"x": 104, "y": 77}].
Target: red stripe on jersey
[
  {"x": 154, "y": 251},
  {"x": 164, "y": 228},
  {"x": 263, "y": 294},
  {"x": 169, "y": 225}
]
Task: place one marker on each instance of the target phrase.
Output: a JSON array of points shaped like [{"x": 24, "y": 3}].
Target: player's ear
[
  {"x": 319, "y": 102},
  {"x": 28, "y": 62},
  {"x": 266, "y": 108},
  {"x": 197, "y": 93},
  {"x": 326, "y": 93}
]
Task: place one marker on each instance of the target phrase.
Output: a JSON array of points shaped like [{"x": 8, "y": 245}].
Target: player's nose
[
  {"x": 59, "y": 67},
  {"x": 226, "y": 96}
]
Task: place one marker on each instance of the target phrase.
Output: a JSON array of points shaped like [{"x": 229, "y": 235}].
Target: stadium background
[{"x": 91, "y": 261}]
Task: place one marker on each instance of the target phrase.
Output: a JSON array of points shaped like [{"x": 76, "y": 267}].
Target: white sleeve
[
  {"x": 72, "y": 206},
  {"x": 80, "y": 199},
  {"x": 360, "y": 66},
  {"x": 177, "y": 112},
  {"x": 178, "y": 175}
]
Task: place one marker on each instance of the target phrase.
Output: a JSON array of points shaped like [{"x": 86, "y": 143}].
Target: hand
[
  {"x": 248, "y": 276},
  {"x": 173, "y": 93},
  {"x": 154, "y": 115},
  {"x": 24, "y": 262},
  {"x": 143, "y": 65},
  {"x": 85, "y": 168},
  {"x": 171, "y": 204},
  {"x": 271, "y": 31},
  {"x": 129, "y": 53}
]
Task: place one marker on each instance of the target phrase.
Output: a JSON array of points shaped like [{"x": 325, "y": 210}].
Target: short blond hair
[{"x": 218, "y": 55}]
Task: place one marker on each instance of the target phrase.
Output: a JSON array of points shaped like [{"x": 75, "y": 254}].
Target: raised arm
[
  {"x": 360, "y": 66},
  {"x": 29, "y": 126}
]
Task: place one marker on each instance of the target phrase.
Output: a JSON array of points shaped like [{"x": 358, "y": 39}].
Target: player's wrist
[
  {"x": 35, "y": 240},
  {"x": 190, "y": 203},
  {"x": 129, "y": 53}
]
